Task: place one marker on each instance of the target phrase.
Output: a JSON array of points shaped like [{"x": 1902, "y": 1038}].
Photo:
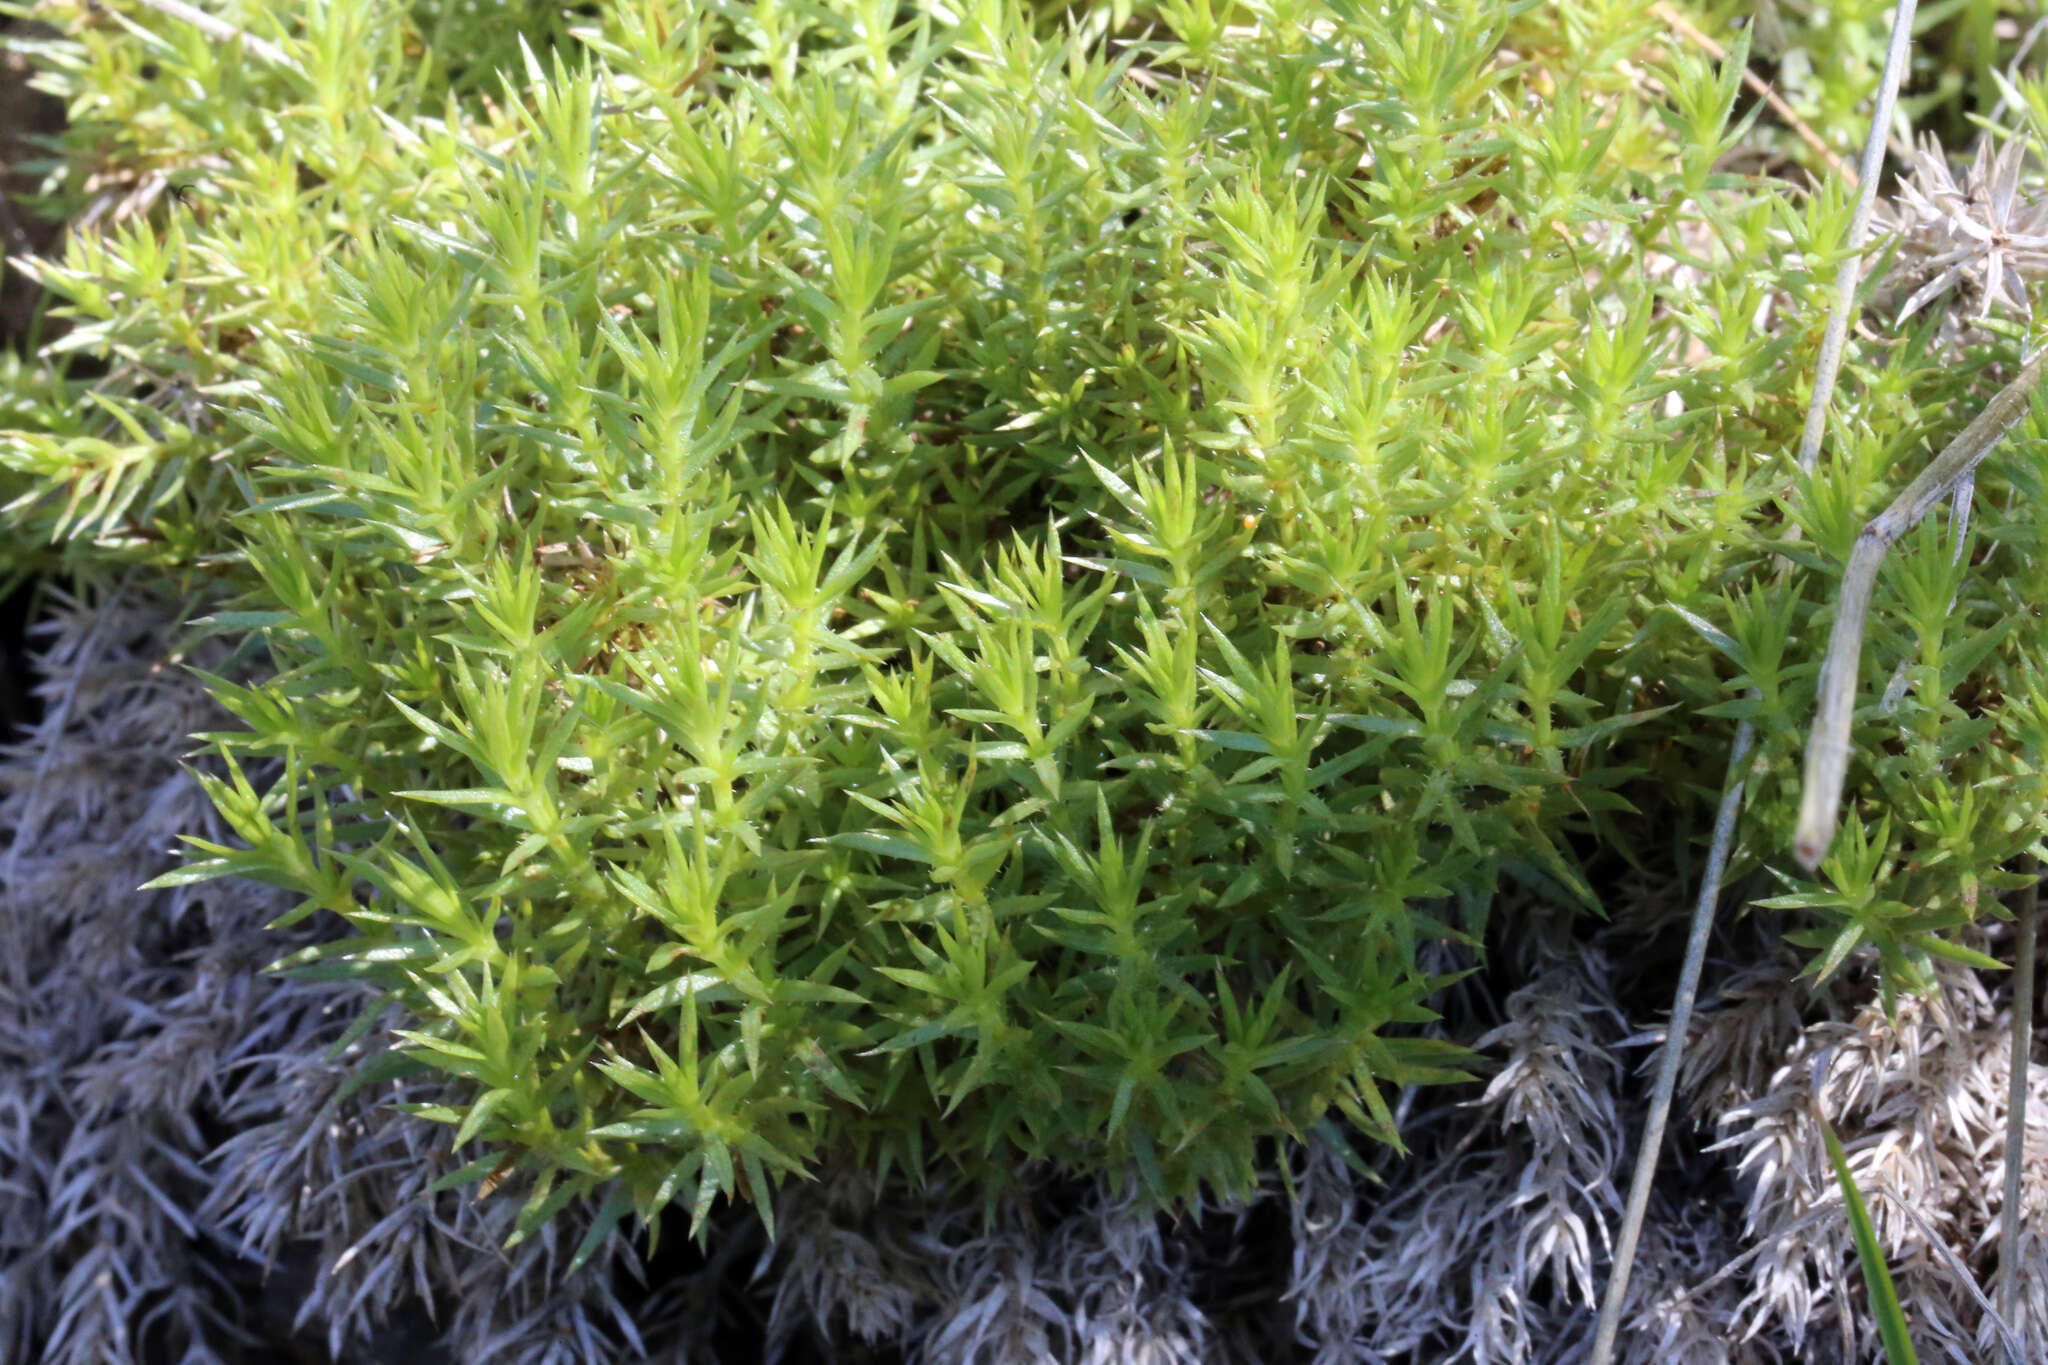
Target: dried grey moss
[
  {"x": 1919, "y": 1103},
  {"x": 1980, "y": 230},
  {"x": 123, "y": 1014},
  {"x": 139, "y": 1028},
  {"x": 134, "y": 1024}
]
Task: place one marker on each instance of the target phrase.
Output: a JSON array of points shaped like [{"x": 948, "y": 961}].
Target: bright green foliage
[{"x": 852, "y": 585}]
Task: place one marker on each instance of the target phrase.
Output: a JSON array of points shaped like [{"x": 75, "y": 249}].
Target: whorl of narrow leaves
[{"x": 908, "y": 590}]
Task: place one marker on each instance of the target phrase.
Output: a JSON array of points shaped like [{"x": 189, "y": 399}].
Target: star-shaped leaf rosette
[{"x": 1981, "y": 230}]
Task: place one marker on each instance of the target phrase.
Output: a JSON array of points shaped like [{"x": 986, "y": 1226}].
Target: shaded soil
[{"x": 26, "y": 115}]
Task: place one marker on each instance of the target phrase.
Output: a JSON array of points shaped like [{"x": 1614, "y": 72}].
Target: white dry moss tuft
[
  {"x": 1919, "y": 1103},
  {"x": 1981, "y": 231}
]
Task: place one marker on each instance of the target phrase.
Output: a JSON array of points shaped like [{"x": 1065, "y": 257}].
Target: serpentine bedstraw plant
[{"x": 900, "y": 591}]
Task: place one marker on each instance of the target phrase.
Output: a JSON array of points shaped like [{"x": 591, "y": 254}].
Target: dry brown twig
[{"x": 1762, "y": 89}]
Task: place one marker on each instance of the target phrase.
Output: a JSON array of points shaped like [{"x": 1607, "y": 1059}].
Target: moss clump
[{"x": 920, "y": 593}]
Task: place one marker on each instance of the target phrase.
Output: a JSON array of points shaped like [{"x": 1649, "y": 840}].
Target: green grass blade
[{"x": 1884, "y": 1300}]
